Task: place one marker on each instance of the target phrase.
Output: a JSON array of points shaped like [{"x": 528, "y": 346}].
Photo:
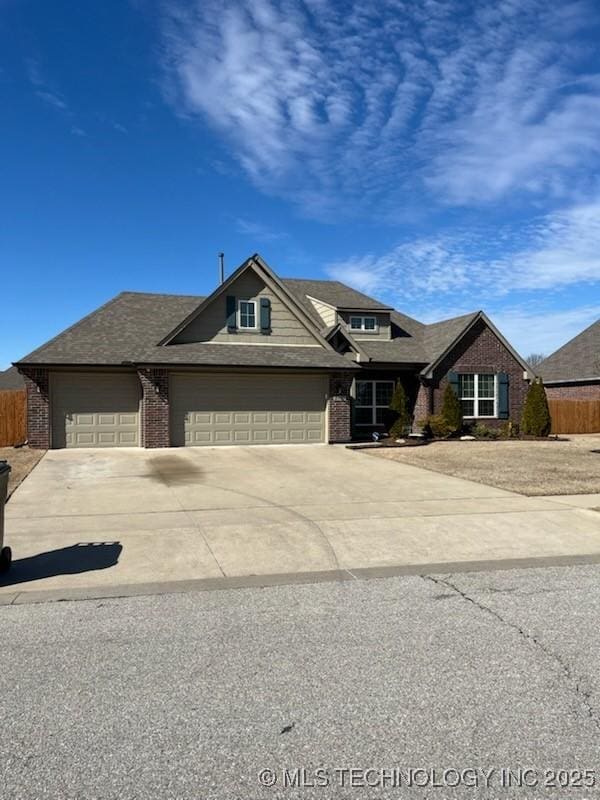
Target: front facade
[{"x": 262, "y": 360}]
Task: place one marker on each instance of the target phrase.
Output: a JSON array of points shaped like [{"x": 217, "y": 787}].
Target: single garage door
[
  {"x": 213, "y": 409},
  {"x": 95, "y": 410}
]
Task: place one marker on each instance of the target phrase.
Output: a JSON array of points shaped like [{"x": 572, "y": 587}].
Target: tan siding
[
  {"x": 327, "y": 314},
  {"x": 224, "y": 409},
  {"x": 211, "y": 325},
  {"x": 383, "y": 322}
]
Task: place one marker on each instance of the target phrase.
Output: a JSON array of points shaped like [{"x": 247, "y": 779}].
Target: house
[
  {"x": 573, "y": 371},
  {"x": 11, "y": 379},
  {"x": 262, "y": 360}
]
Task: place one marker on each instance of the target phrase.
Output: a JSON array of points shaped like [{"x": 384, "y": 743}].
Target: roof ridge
[
  {"x": 159, "y": 294},
  {"x": 453, "y": 319}
]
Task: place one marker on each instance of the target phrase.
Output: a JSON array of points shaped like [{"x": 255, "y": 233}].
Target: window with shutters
[
  {"x": 247, "y": 314},
  {"x": 478, "y": 393}
]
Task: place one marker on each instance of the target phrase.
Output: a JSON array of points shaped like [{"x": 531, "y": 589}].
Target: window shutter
[
  {"x": 265, "y": 314},
  {"x": 230, "y": 311},
  {"x": 453, "y": 381},
  {"x": 502, "y": 395}
]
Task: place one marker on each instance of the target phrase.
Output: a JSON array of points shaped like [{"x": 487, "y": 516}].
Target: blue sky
[{"x": 443, "y": 156}]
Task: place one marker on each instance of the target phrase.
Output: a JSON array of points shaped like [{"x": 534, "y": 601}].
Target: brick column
[
  {"x": 340, "y": 407},
  {"x": 422, "y": 406},
  {"x": 38, "y": 411},
  {"x": 155, "y": 407}
]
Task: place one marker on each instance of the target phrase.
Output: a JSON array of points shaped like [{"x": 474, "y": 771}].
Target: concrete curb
[{"x": 288, "y": 579}]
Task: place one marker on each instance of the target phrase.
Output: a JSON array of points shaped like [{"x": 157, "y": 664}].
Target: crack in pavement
[{"x": 575, "y": 681}]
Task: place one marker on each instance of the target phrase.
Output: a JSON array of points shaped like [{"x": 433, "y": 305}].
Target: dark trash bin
[{"x": 5, "y": 552}]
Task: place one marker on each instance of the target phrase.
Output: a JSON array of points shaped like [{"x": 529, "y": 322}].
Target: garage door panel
[
  {"x": 95, "y": 410},
  {"x": 243, "y": 409}
]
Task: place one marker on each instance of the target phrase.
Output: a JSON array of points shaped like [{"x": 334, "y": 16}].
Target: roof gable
[
  {"x": 254, "y": 267},
  {"x": 442, "y": 337}
]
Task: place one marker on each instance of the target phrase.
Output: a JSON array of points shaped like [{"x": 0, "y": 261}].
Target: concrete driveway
[{"x": 108, "y": 518}]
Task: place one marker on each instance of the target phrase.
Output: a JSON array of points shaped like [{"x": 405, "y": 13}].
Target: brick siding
[
  {"x": 38, "y": 410},
  {"x": 481, "y": 351},
  {"x": 422, "y": 406},
  {"x": 340, "y": 407},
  {"x": 155, "y": 407},
  {"x": 574, "y": 391}
]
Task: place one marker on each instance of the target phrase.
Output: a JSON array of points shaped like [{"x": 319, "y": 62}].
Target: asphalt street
[{"x": 412, "y": 687}]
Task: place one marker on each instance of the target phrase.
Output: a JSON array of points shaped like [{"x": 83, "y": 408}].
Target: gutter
[{"x": 569, "y": 380}]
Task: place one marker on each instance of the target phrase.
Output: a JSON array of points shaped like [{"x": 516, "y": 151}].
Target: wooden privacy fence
[
  {"x": 13, "y": 417},
  {"x": 575, "y": 416}
]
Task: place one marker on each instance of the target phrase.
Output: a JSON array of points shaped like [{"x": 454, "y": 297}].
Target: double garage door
[
  {"x": 215, "y": 409},
  {"x": 103, "y": 409}
]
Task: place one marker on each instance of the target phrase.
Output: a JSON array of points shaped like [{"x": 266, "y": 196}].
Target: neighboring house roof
[
  {"x": 11, "y": 379},
  {"x": 577, "y": 360}
]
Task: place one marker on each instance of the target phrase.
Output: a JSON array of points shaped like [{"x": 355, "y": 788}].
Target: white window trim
[
  {"x": 476, "y": 397},
  {"x": 239, "y": 315},
  {"x": 362, "y": 323},
  {"x": 373, "y": 406}
]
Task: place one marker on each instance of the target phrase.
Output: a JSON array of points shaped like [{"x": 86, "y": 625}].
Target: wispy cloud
[
  {"x": 52, "y": 99},
  {"x": 258, "y": 231},
  {"x": 333, "y": 104},
  {"x": 43, "y": 87},
  {"x": 557, "y": 250}
]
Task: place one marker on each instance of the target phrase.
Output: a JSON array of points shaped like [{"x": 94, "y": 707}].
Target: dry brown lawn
[
  {"x": 22, "y": 460},
  {"x": 531, "y": 468}
]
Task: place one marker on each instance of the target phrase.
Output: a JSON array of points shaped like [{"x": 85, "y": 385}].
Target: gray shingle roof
[
  {"x": 245, "y": 355},
  {"x": 439, "y": 335},
  {"x": 578, "y": 359},
  {"x": 121, "y": 330},
  {"x": 128, "y": 327},
  {"x": 333, "y": 292},
  {"x": 11, "y": 379},
  {"x": 406, "y": 346}
]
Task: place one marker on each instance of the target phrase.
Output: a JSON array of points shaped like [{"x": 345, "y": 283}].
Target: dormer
[
  {"x": 366, "y": 324},
  {"x": 363, "y": 323}
]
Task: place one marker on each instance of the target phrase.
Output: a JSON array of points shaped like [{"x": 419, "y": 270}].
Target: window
[
  {"x": 363, "y": 324},
  {"x": 478, "y": 394},
  {"x": 372, "y": 400},
  {"x": 247, "y": 314}
]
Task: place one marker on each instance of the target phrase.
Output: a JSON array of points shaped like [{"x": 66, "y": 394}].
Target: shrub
[
  {"x": 451, "y": 409},
  {"x": 509, "y": 430},
  {"x": 536, "y": 419},
  {"x": 403, "y": 418},
  {"x": 435, "y": 425},
  {"x": 482, "y": 431}
]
